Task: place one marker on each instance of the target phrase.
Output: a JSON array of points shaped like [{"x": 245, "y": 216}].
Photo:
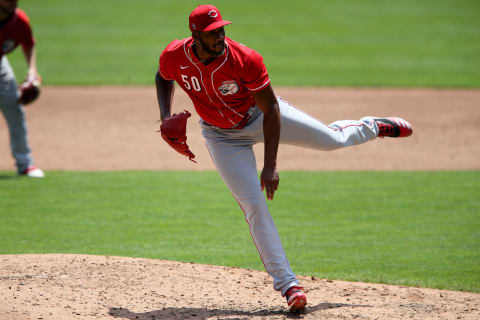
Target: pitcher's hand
[{"x": 269, "y": 181}]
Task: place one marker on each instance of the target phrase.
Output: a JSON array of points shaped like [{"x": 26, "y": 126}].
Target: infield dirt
[{"x": 112, "y": 128}]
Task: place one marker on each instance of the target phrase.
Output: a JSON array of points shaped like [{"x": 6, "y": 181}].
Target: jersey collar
[{"x": 215, "y": 63}]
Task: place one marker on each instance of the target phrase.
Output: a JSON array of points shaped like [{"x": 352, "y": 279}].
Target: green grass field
[
  {"x": 432, "y": 43},
  {"x": 340, "y": 225}
]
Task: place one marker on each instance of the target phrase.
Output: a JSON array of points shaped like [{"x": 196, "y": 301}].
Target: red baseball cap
[{"x": 206, "y": 17}]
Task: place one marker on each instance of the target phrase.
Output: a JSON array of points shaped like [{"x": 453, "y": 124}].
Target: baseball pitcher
[{"x": 230, "y": 88}]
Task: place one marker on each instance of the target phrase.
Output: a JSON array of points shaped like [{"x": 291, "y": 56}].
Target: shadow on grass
[
  {"x": 9, "y": 176},
  {"x": 203, "y": 313}
]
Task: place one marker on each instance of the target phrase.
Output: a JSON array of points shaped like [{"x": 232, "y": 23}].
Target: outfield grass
[
  {"x": 359, "y": 226},
  {"x": 339, "y": 43}
]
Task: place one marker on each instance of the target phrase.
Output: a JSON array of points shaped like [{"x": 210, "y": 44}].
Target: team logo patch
[
  {"x": 8, "y": 45},
  {"x": 228, "y": 87},
  {"x": 213, "y": 13}
]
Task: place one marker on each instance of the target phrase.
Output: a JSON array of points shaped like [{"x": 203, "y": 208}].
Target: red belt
[{"x": 243, "y": 122}]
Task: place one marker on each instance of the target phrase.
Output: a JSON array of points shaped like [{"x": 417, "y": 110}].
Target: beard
[{"x": 210, "y": 51}]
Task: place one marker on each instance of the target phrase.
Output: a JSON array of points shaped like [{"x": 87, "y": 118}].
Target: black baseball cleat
[{"x": 391, "y": 127}]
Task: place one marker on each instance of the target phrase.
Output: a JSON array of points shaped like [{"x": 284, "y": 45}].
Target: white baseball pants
[{"x": 232, "y": 153}]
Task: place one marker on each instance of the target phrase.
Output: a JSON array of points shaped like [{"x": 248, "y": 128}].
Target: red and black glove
[
  {"x": 174, "y": 129},
  {"x": 29, "y": 90}
]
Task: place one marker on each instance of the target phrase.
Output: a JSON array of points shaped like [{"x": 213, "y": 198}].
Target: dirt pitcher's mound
[{"x": 58, "y": 286}]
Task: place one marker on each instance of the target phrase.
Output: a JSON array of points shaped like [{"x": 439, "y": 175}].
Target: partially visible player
[
  {"x": 230, "y": 89},
  {"x": 15, "y": 30}
]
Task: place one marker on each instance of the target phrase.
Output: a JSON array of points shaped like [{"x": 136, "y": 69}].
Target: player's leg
[
  {"x": 237, "y": 167},
  {"x": 14, "y": 116},
  {"x": 301, "y": 129}
]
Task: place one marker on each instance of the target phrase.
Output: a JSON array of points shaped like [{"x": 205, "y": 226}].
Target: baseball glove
[
  {"x": 29, "y": 90},
  {"x": 174, "y": 129}
]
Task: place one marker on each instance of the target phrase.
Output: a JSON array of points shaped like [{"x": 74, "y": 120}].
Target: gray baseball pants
[
  {"x": 232, "y": 153},
  {"x": 15, "y": 116}
]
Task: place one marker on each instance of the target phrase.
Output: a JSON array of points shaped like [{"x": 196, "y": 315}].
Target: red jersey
[
  {"x": 221, "y": 91},
  {"x": 16, "y": 31}
]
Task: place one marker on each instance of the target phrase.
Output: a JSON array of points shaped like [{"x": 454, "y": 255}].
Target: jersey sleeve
[
  {"x": 162, "y": 66},
  {"x": 255, "y": 73},
  {"x": 25, "y": 30},
  {"x": 28, "y": 40},
  {"x": 167, "y": 60}
]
